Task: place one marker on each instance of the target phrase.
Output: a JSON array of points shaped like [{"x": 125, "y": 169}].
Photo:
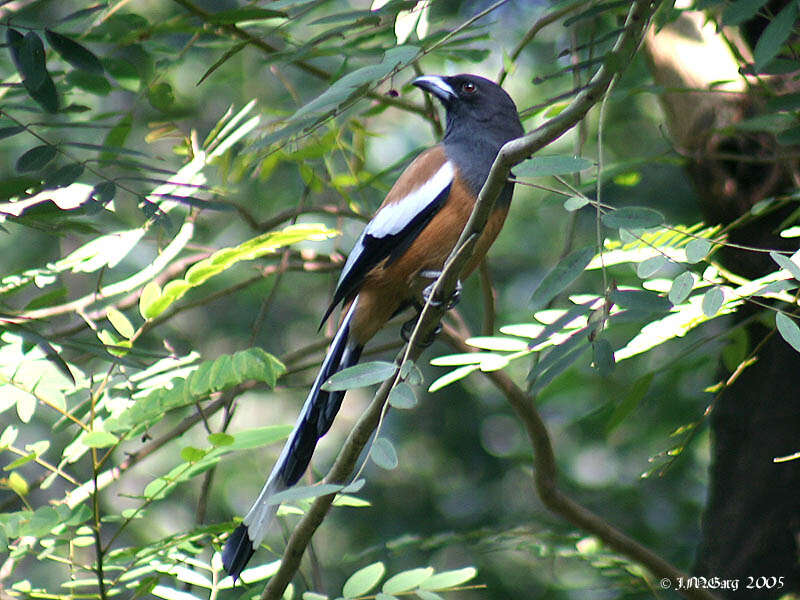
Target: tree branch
[{"x": 545, "y": 475}]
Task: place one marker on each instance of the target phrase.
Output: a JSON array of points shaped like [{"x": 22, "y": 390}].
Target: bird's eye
[{"x": 468, "y": 87}]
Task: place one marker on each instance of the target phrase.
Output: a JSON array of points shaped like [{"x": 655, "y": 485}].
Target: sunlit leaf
[
  {"x": 99, "y": 439},
  {"x": 712, "y": 301},
  {"x": 785, "y": 262},
  {"x": 363, "y": 580},
  {"x": 449, "y": 579},
  {"x": 406, "y": 580},
  {"x": 697, "y": 250}
]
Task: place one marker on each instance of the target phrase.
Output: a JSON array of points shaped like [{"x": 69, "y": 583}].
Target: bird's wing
[{"x": 409, "y": 206}]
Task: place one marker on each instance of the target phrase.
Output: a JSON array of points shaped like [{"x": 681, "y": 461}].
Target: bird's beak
[{"x": 437, "y": 86}]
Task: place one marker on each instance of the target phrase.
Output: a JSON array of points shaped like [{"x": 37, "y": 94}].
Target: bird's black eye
[{"x": 468, "y": 87}]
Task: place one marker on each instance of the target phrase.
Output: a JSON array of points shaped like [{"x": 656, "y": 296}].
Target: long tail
[{"x": 314, "y": 421}]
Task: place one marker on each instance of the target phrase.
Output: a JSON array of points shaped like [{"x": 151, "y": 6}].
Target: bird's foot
[{"x": 450, "y": 302}]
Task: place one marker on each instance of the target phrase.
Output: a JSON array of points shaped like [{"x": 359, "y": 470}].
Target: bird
[{"x": 393, "y": 262}]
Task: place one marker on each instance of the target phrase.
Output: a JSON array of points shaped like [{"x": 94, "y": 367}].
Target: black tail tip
[{"x": 237, "y": 552}]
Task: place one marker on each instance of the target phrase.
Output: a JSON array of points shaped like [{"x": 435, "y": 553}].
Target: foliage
[{"x": 160, "y": 289}]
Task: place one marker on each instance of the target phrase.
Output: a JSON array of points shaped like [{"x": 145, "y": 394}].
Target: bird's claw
[{"x": 427, "y": 292}]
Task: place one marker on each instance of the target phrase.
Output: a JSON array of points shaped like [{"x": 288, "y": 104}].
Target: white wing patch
[{"x": 392, "y": 218}]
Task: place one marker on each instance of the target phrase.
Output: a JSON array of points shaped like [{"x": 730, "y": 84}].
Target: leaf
[
  {"x": 90, "y": 82},
  {"x": 383, "y": 454},
  {"x": 161, "y": 96},
  {"x": 602, "y": 356},
  {"x": 498, "y": 343},
  {"x": 641, "y": 300},
  {"x": 32, "y": 64},
  {"x": 449, "y": 579},
  {"x": 561, "y": 276},
  {"x": 452, "y": 377},
  {"x": 99, "y": 439},
  {"x": 681, "y": 287},
  {"x": 740, "y": 11},
  {"x": 402, "y": 396},
  {"x": 427, "y": 595},
  {"x": 250, "y": 13},
  {"x": 697, "y": 250},
  {"x": 574, "y": 203},
  {"x": 363, "y": 580},
  {"x": 361, "y": 375},
  {"x": 542, "y": 166},
  {"x": 120, "y": 322},
  {"x": 633, "y": 217},
  {"x": 650, "y": 266},
  {"x": 63, "y": 176},
  {"x": 36, "y": 158},
  {"x": 786, "y": 263},
  {"x": 151, "y": 292},
  {"x": 774, "y": 36},
  {"x": 74, "y": 53},
  {"x": 406, "y": 580},
  {"x": 9, "y": 131},
  {"x": 630, "y": 401},
  {"x": 788, "y": 329},
  {"x": 712, "y": 301}
]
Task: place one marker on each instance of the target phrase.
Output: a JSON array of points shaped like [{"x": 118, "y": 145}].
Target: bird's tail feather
[{"x": 315, "y": 419}]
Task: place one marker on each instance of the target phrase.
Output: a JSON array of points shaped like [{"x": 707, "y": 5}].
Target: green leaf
[
  {"x": 36, "y": 158},
  {"x": 120, "y": 323},
  {"x": 574, "y": 203},
  {"x": 697, "y": 250},
  {"x": 633, "y": 217},
  {"x": 99, "y": 439},
  {"x": 151, "y": 293},
  {"x": 74, "y": 53},
  {"x": 104, "y": 192},
  {"x": 788, "y": 329},
  {"x": 775, "y": 35},
  {"x": 161, "y": 96},
  {"x": 406, "y": 580},
  {"x": 362, "y": 375},
  {"x": 64, "y": 176},
  {"x": 258, "y": 437},
  {"x": 543, "y": 166},
  {"x": 740, "y": 11},
  {"x": 630, "y": 401},
  {"x": 712, "y": 301},
  {"x": 602, "y": 356},
  {"x": 250, "y": 13},
  {"x": 790, "y": 137},
  {"x": 452, "y": 377},
  {"x": 191, "y": 454},
  {"x": 787, "y": 264},
  {"x": 383, "y": 454},
  {"x": 89, "y": 82},
  {"x": 449, "y": 579},
  {"x": 402, "y": 396},
  {"x": 427, "y": 595},
  {"x": 681, "y": 287},
  {"x": 641, "y": 300},
  {"x": 650, "y": 266},
  {"x": 220, "y": 439},
  {"x": 32, "y": 60},
  {"x": 9, "y": 131},
  {"x": 561, "y": 276},
  {"x": 363, "y": 580}
]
